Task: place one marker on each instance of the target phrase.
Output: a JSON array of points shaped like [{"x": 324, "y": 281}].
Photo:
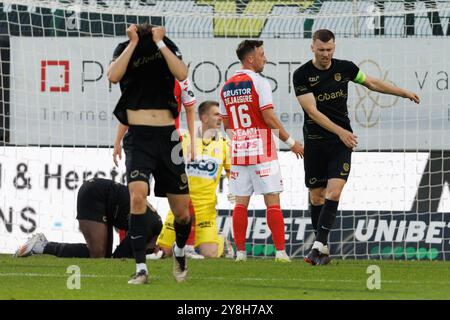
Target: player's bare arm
[
  {"x": 226, "y": 127},
  {"x": 275, "y": 124},
  {"x": 308, "y": 103},
  {"x": 177, "y": 67},
  {"x": 121, "y": 130},
  {"x": 378, "y": 85},
  {"x": 118, "y": 67}
]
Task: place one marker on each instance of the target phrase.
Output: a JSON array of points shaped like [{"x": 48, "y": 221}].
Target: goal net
[{"x": 57, "y": 127}]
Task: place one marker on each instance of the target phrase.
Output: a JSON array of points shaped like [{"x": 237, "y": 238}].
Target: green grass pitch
[{"x": 46, "y": 277}]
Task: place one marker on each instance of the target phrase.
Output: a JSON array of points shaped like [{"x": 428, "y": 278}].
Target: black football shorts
[
  {"x": 326, "y": 160},
  {"x": 156, "y": 151}
]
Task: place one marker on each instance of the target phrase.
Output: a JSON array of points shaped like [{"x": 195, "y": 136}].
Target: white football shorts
[{"x": 262, "y": 178}]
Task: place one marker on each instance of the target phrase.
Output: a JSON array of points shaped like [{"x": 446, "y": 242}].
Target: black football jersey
[
  {"x": 330, "y": 90},
  {"x": 147, "y": 82}
]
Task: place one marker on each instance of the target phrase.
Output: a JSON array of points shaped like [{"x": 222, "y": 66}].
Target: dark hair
[
  {"x": 205, "y": 106},
  {"x": 323, "y": 35},
  {"x": 144, "y": 29},
  {"x": 246, "y": 47}
]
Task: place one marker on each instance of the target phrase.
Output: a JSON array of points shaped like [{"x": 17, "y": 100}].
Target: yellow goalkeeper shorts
[{"x": 205, "y": 228}]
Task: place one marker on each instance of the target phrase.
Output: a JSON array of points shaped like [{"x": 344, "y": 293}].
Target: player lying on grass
[{"x": 101, "y": 205}]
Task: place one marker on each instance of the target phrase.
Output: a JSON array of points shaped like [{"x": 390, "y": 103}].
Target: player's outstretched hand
[
  {"x": 117, "y": 153},
  {"x": 349, "y": 139},
  {"x": 298, "y": 149},
  {"x": 158, "y": 33},
  {"x": 132, "y": 33},
  {"x": 412, "y": 96}
]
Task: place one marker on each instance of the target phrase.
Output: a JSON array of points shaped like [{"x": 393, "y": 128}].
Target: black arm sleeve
[
  {"x": 119, "y": 49},
  {"x": 299, "y": 82},
  {"x": 351, "y": 69}
]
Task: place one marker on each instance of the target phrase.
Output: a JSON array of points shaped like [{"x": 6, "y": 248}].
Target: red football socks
[
  {"x": 276, "y": 225},
  {"x": 240, "y": 222}
]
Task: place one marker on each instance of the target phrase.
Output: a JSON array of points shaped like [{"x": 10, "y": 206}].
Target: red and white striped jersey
[{"x": 243, "y": 98}]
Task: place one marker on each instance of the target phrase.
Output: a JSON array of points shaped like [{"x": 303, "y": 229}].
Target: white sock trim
[
  {"x": 325, "y": 250},
  {"x": 318, "y": 245},
  {"x": 179, "y": 252},
  {"x": 141, "y": 266}
]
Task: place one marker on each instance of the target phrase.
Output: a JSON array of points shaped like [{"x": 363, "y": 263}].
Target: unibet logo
[
  {"x": 399, "y": 231},
  {"x": 232, "y": 26}
]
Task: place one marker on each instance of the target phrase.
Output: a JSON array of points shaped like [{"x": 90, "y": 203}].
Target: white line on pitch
[{"x": 49, "y": 275}]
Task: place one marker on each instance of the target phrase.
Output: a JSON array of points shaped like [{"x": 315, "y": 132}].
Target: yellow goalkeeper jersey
[{"x": 212, "y": 156}]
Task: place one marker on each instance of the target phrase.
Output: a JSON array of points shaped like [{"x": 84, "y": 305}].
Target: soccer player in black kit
[
  {"x": 321, "y": 88},
  {"x": 101, "y": 206},
  {"x": 146, "y": 66}
]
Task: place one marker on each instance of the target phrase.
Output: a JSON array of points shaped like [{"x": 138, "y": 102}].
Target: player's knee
[
  {"x": 271, "y": 199},
  {"x": 209, "y": 253},
  {"x": 333, "y": 195},
  {"x": 182, "y": 218},
  {"x": 97, "y": 252},
  {"x": 167, "y": 252},
  {"x": 181, "y": 213},
  {"x": 208, "y": 250},
  {"x": 317, "y": 199},
  {"x": 138, "y": 200}
]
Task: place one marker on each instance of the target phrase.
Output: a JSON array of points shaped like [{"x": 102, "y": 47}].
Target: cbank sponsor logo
[{"x": 331, "y": 96}]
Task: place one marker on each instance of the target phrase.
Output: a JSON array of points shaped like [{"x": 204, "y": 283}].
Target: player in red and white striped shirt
[{"x": 248, "y": 117}]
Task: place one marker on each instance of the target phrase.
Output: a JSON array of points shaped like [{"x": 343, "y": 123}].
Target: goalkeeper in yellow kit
[{"x": 212, "y": 156}]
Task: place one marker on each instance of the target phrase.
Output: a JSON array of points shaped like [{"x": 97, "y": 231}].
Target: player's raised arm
[
  {"x": 378, "y": 85},
  {"x": 176, "y": 66},
  {"x": 118, "y": 67},
  {"x": 308, "y": 103}
]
